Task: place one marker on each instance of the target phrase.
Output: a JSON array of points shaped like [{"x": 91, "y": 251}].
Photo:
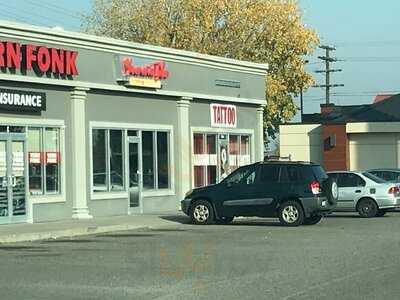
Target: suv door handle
[{"x": 358, "y": 191}]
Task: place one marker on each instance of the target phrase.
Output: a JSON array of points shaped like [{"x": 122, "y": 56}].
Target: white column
[
  {"x": 78, "y": 142},
  {"x": 259, "y": 153},
  {"x": 184, "y": 155}
]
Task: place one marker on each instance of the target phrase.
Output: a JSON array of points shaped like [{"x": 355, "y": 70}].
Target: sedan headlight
[{"x": 188, "y": 193}]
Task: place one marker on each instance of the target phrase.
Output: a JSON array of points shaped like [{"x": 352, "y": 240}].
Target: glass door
[
  {"x": 134, "y": 175},
  {"x": 13, "y": 175}
]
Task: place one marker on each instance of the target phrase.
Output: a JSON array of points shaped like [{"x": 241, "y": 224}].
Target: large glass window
[
  {"x": 205, "y": 159},
  {"x": 234, "y": 151},
  {"x": 108, "y": 159},
  {"x": 52, "y": 150},
  {"x": 148, "y": 160},
  {"x": 116, "y": 160},
  {"x": 44, "y": 158},
  {"x": 99, "y": 160},
  {"x": 163, "y": 160},
  {"x": 212, "y": 161},
  {"x": 35, "y": 160}
]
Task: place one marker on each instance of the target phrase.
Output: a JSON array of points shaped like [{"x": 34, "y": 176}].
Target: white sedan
[{"x": 365, "y": 193}]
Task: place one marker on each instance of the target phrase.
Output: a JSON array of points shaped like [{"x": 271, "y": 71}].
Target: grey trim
[
  {"x": 26, "y": 31},
  {"x": 257, "y": 201},
  {"x": 118, "y": 88}
]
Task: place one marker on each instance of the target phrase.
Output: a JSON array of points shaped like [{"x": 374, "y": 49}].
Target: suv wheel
[
  {"x": 312, "y": 220},
  {"x": 291, "y": 214},
  {"x": 201, "y": 213},
  {"x": 367, "y": 208},
  {"x": 224, "y": 220}
]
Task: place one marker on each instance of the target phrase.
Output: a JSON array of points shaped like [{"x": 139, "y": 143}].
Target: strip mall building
[{"x": 92, "y": 126}]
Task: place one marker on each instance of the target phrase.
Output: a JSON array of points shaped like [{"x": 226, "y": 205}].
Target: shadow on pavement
[
  {"x": 76, "y": 240},
  {"x": 23, "y": 248},
  {"x": 257, "y": 222},
  {"x": 177, "y": 219},
  {"x": 236, "y": 222},
  {"x": 126, "y": 235}
]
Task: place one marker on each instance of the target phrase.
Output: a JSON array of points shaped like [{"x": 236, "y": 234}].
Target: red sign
[
  {"x": 223, "y": 115},
  {"x": 35, "y": 157},
  {"x": 156, "y": 70},
  {"x": 39, "y": 58},
  {"x": 52, "y": 157}
]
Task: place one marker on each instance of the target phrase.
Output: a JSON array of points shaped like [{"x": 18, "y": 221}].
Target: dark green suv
[{"x": 295, "y": 192}]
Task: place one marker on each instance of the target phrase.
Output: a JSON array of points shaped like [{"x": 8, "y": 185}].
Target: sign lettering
[
  {"x": 39, "y": 58},
  {"x": 22, "y": 101},
  {"x": 223, "y": 115}
]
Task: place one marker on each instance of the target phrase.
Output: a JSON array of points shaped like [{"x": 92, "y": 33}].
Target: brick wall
[{"x": 336, "y": 157}]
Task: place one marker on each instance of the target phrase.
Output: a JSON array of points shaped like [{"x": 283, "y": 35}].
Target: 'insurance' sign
[{"x": 22, "y": 101}]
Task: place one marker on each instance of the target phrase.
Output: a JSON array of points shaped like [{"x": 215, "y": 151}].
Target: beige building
[{"x": 347, "y": 137}]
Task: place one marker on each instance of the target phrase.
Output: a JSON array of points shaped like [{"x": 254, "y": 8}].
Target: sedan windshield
[{"x": 374, "y": 178}]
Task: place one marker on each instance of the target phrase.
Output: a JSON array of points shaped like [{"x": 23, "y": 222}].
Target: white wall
[
  {"x": 302, "y": 142},
  {"x": 374, "y": 150}
]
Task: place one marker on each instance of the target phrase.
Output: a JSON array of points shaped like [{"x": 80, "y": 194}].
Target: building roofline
[{"x": 27, "y": 31}]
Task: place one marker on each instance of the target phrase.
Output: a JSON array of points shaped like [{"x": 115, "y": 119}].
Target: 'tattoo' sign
[{"x": 223, "y": 115}]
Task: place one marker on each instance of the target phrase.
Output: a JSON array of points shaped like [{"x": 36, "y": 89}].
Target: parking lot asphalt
[{"x": 343, "y": 257}]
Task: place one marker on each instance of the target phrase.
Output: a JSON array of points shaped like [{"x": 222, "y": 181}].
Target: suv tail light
[
  {"x": 394, "y": 190},
  {"x": 315, "y": 187}
]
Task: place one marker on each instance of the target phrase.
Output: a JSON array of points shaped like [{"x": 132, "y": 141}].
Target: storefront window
[
  {"x": 116, "y": 160},
  {"x": 215, "y": 156},
  {"x": 44, "y": 158},
  {"x": 109, "y": 157},
  {"x": 99, "y": 160},
  {"x": 212, "y": 159},
  {"x": 35, "y": 160},
  {"x": 199, "y": 161},
  {"x": 148, "y": 160},
  {"x": 205, "y": 159},
  {"x": 244, "y": 158},
  {"x": 163, "y": 160},
  {"x": 52, "y": 159},
  {"x": 233, "y": 152}
]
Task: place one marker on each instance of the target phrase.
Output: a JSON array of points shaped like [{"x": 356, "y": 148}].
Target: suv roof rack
[{"x": 277, "y": 157}]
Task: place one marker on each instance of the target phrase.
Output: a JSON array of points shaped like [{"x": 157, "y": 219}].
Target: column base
[{"x": 81, "y": 214}]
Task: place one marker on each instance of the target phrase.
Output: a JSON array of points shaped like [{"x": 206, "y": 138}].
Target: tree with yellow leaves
[{"x": 265, "y": 31}]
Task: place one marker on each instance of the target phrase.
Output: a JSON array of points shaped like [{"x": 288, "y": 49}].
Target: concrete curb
[{"x": 65, "y": 233}]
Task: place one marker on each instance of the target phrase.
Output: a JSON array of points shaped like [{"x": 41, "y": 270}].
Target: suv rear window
[{"x": 319, "y": 173}]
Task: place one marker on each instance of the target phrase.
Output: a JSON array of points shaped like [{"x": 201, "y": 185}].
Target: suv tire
[
  {"x": 291, "y": 214},
  {"x": 312, "y": 220},
  {"x": 367, "y": 208},
  {"x": 201, "y": 213},
  {"x": 330, "y": 187}
]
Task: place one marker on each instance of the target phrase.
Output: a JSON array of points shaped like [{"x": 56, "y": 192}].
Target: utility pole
[{"x": 328, "y": 60}]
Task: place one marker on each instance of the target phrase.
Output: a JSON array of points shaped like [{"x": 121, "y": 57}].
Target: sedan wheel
[{"x": 367, "y": 208}]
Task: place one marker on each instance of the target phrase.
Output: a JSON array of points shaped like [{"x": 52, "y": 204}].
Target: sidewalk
[{"x": 70, "y": 228}]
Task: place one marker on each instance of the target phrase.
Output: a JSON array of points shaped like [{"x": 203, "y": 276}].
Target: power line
[
  {"x": 21, "y": 18},
  {"x": 55, "y": 8},
  {"x": 30, "y": 13}
]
